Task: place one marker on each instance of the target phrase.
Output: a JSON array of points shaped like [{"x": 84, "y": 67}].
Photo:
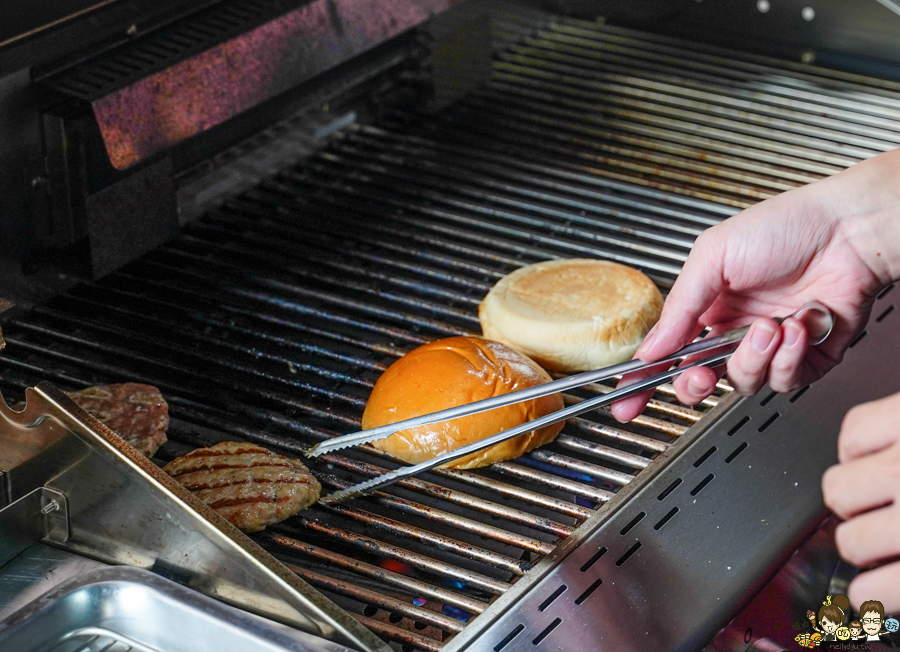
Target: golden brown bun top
[
  {"x": 451, "y": 372},
  {"x": 576, "y": 289},
  {"x": 572, "y": 314}
]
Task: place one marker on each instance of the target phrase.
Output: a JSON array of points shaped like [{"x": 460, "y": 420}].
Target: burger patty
[
  {"x": 250, "y": 486},
  {"x": 137, "y": 413}
]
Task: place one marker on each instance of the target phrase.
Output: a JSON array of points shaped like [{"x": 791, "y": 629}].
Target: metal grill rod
[
  {"x": 472, "y": 173},
  {"x": 411, "y": 585},
  {"x": 640, "y": 84},
  {"x": 606, "y": 153},
  {"x": 402, "y": 506},
  {"x": 439, "y": 138},
  {"x": 367, "y": 190},
  {"x": 530, "y": 95},
  {"x": 368, "y": 596},
  {"x": 397, "y": 634},
  {"x": 418, "y": 187},
  {"x": 373, "y": 546}
]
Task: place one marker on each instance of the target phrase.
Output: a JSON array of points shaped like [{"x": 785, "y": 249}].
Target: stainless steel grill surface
[{"x": 270, "y": 319}]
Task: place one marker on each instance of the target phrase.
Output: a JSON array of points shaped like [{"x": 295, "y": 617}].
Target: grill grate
[{"x": 270, "y": 319}]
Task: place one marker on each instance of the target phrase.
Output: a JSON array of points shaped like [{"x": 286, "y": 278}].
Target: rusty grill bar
[{"x": 271, "y": 318}]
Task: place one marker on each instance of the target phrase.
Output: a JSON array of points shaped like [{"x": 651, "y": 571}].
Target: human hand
[
  {"x": 864, "y": 489},
  {"x": 836, "y": 241}
]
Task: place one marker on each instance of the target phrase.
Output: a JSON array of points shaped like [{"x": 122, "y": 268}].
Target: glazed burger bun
[
  {"x": 451, "y": 372},
  {"x": 572, "y": 315}
]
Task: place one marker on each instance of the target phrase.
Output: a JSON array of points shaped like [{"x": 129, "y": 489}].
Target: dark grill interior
[{"x": 270, "y": 319}]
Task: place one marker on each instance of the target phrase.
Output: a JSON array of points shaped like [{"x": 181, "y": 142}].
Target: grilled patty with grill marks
[
  {"x": 137, "y": 413},
  {"x": 249, "y": 485}
]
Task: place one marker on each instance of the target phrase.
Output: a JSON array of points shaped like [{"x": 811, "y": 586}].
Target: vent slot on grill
[
  {"x": 628, "y": 555},
  {"x": 630, "y": 526},
  {"x": 737, "y": 451},
  {"x": 593, "y": 560},
  {"x": 665, "y": 519},
  {"x": 544, "y": 634},
  {"x": 558, "y": 592},
  {"x": 670, "y": 489},
  {"x": 509, "y": 637},
  {"x": 702, "y": 485}
]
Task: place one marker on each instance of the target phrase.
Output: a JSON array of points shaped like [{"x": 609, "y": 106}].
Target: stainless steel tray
[{"x": 123, "y": 609}]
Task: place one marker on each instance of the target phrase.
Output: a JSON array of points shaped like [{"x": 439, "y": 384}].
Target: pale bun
[
  {"x": 451, "y": 372},
  {"x": 572, "y": 315}
]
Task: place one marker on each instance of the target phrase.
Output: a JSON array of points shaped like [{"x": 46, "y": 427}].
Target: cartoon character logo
[
  {"x": 809, "y": 640},
  {"x": 874, "y": 625},
  {"x": 828, "y": 624},
  {"x": 831, "y": 616}
]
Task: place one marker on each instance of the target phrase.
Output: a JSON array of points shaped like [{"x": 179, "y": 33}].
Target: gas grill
[{"x": 347, "y": 235}]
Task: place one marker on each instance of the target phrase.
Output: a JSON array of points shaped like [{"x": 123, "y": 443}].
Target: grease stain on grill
[
  {"x": 665, "y": 519},
  {"x": 705, "y": 481},
  {"x": 588, "y": 591},
  {"x": 593, "y": 560},
  {"x": 509, "y": 638},
  {"x": 740, "y": 424},
  {"x": 550, "y": 598},
  {"x": 705, "y": 457},
  {"x": 737, "y": 451},
  {"x": 628, "y": 555},
  {"x": 768, "y": 422},
  {"x": 547, "y": 630},
  {"x": 637, "y": 519},
  {"x": 669, "y": 489}
]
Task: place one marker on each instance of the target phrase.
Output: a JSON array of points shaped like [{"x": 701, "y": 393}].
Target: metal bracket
[
  {"x": 128, "y": 511},
  {"x": 55, "y": 512},
  {"x": 40, "y": 515}
]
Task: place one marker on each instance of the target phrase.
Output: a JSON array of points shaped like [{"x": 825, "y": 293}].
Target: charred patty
[{"x": 137, "y": 413}]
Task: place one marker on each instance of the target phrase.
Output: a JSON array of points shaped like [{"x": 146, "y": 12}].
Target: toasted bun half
[
  {"x": 451, "y": 372},
  {"x": 572, "y": 315}
]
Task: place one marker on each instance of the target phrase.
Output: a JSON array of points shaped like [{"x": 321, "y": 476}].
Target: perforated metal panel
[{"x": 673, "y": 564}]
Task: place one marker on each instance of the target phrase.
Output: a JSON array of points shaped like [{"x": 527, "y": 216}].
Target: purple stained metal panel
[{"x": 207, "y": 89}]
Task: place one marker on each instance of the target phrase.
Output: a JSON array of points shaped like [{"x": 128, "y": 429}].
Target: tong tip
[
  {"x": 340, "y": 496},
  {"x": 340, "y": 443},
  {"x": 364, "y": 487}
]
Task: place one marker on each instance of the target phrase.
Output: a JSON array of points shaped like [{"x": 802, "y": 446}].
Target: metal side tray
[
  {"x": 123, "y": 609},
  {"x": 69, "y": 482}
]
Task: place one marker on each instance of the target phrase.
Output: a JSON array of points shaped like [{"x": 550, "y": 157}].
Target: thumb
[{"x": 696, "y": 288}]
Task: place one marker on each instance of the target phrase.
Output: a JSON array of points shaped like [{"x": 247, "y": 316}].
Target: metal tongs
[{"x": 817, "y": 319}]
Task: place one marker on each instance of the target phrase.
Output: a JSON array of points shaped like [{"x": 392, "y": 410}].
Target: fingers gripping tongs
[{"x": 816, "y": 317}]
